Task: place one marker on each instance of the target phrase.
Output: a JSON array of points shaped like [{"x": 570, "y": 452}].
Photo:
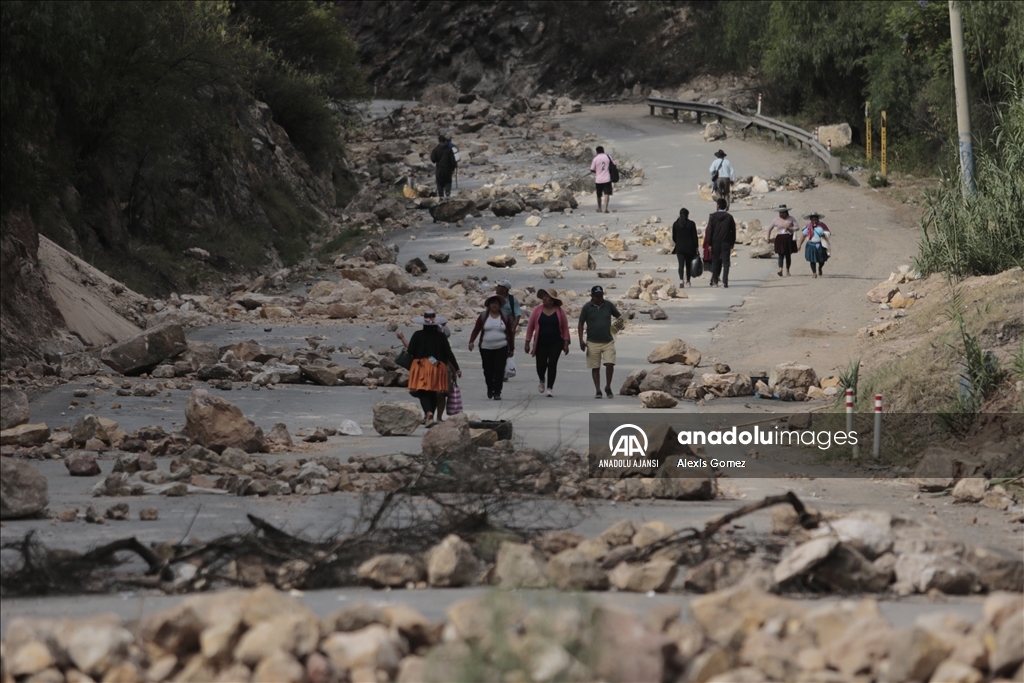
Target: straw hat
[{"x": 541, "y": 293}]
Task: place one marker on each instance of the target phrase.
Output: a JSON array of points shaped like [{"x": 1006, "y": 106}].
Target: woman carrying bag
[
  {"x": 497, "y": 338},
  {"x": 432, "y": 359},
  {"x": 816, "y": 235}
]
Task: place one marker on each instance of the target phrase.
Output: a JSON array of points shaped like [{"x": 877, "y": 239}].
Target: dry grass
[{"x": 925, "y": 376}]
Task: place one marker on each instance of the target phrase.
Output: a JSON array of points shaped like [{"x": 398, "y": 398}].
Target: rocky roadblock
[
  {"x": 740, "y": 634},
  {"x": 181, "y": 438}
]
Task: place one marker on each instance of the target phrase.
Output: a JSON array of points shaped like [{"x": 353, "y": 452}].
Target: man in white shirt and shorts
[{"x": 601, "y": 168}]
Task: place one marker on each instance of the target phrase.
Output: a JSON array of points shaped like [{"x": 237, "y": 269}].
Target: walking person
[
  {"x": 684, "y": 236},
  {"x": 601, "y": 168},
  {"x": 785, "y": 228},
  {"x": 496, "y": 331},
  {"x": 445, "y": 165},
  {"x": 817, "y": 248},
  {"x": 721, "y": 235},
  {"x": 511, "y": 305},
  {"x": 722, "y": 177},
  {"x": 596, "y": 317},
  {"x": 551, "y": 327},
  {"x": 432, "y": 356}
]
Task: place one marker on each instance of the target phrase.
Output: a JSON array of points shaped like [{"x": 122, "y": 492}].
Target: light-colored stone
[
  {"x": 657, "y": 399},
  {"x": 391, "y": 569},
  {"x": 869, "y": 531},
  {"x": 651, "y": 532},
  {"x": 278, "y": 667},
  {"x": 573, "y": 570},
  {"x": 451, "y": 438},
  {"x": 883, "y": 293},
  {"x": 792, "y": 376},
  {"x": 583, "y": 261},
  {"x": 98, "y": 645},
  {"x": 656, "y": 575},
  {"x": 952, "y": 671},
  {"x": 145, "y": 350},
  {"x": 387, "y": 276},
  {"x": 1008, "y": 653},
  {"x": 728, "y": 615},
  {"x": 533, "y": 221},
  {"x": 620, "y": 533},
  {"x": 714, "y": 131},
  {"x": 803, "y": 558},
  {"x": 451, "y": 563},
  {"x": 28, "y": 658},
  {"x": 520, "y": 565},
  {"x": 728, "y": 384},
  {"x": 970, "y": 489},
  {"x": 925, "y": 571},
  {"x": 25, "y": 435},
  {"x": 675, "y": 351},
  {"x": 296, "y": 633},
  {"x": 374, "y": 646},
  {"x": 915, "y": 653},
  {"x": 838, "y": 135},
  {"x": 392, "y": 418}
]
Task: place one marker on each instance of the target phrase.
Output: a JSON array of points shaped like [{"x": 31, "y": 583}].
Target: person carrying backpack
[
  {"x": 603, "y": 169},
  {"x": 445, "y": 165},
  {"x": 722, "y": 177}
]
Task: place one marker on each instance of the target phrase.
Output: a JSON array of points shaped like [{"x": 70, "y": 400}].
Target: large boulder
[
  {"x": 379, "y": 253},
  {"x": 452, "y": 210},
  {"x": 520, "y": 565},
  {"x": 509, "y": 205},
  {"x": 440, "y": 95},
  {"x": 672, "y": 378},
  {"x": 217, "y": 424},
  {"x": 394, "y": 418},
  {"x": 145, "y": 350},
  {"x": 25, "y": 435},
  {"x": 23, "y": 490},
  {"x": 391, "y": 569},
  {"x": 450, "y": 438},
  {"x": 383, "y": 276},
  {"x": 792, "y": 376},
  {"x": 657, "y": 399},
  {"x": 714, "y": 131},
  {"x": 13, "y": 408},
  {"x": 583, "y": 261},
  {"x": 727, "y": 384},
  {"x": 675, "y": 351},
  {"x": 840, "y": 135},
  {"x": 451, "y": 563},
  {"x": 571, "y": 569}
]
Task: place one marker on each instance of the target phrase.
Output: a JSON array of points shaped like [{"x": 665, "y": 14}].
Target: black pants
[
  {"x": 493, "y": 361},
  {"x": 720, "y": 259},
  {"x": 428, "y": 401},
  {"x": 548, "y": 351},
  {"x": 788, "y": 258},
  {"x": 444, "y": 189},
  {"x": 685, "y": 261}
]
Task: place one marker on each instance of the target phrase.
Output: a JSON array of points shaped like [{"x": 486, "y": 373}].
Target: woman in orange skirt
[{"x": 428, "y": 376}]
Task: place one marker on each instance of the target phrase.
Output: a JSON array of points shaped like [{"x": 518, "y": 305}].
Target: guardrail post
[
  {"x": 876, "y": 451},
  {"x": 675, "y": 114},
  {"x": 652, "y": 110},
  {"x": 719, "y": 117},
  {"x": 698, "y": 118}
]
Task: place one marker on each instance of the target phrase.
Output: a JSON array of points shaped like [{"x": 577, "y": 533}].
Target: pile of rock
[{"x": 742, "y": 634}]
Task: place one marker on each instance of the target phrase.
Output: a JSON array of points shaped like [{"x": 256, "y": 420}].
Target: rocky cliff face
[{"x": 507, "y": 49}]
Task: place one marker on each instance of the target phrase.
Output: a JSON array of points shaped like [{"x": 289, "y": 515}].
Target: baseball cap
[
  {"x": 504, "y": 283},
  {"x": 597, "y": 289}
]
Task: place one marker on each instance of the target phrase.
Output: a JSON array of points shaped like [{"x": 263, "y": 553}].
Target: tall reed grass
[{"x": 981, "y": 233}]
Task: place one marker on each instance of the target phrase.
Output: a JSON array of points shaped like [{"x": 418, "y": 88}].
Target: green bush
[{"x": 876, "y": 179}]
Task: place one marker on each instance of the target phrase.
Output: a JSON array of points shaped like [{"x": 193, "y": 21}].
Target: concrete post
[{"x": 963, "y": 110}]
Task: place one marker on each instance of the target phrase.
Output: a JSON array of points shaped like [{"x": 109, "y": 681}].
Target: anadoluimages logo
[{"x": 628, "y": 444}]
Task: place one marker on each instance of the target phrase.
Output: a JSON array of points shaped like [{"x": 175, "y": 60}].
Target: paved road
[{"x": 675, "y": 159}]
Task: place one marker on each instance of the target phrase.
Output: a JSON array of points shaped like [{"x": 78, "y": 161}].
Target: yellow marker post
[
  {"x": 883, "y": 142},
  {"x": 867, "y": 130}
]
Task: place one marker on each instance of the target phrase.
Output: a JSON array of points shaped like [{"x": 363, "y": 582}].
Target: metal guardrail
[{"x": 787, "y": 131}]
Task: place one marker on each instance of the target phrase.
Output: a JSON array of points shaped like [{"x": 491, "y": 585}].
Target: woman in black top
[
  {"x": 684, "y": 235},
  {"x": 428, "y": 376}
]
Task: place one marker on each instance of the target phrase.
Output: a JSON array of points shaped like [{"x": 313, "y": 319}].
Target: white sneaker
[
  {"x": 540, "y": 387},
  {"x": 549, "y": 393}
]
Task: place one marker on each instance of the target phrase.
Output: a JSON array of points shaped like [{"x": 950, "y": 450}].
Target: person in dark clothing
[
  {"x": 428, "y": 376},
  {"x": 684, "y": 235},
  {"x": 721, "y": 233},
  {"x": 550, "y": 327},
  {"x": 443, "y": 158}
]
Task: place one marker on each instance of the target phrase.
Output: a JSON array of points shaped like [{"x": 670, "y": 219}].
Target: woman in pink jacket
[{"x": 551, "y": 327}]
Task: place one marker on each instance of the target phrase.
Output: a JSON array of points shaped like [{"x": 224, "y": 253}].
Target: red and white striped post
[
  {"x": 849, "y": 421},
  {"x": 878, "y": 426}
]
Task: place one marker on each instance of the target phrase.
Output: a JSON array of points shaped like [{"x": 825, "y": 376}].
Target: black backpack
[{"x": 613, "y": 170}]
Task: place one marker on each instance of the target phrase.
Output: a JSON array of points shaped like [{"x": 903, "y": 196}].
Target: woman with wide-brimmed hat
[
  {"x": 785, "y": 228},
  {"x": 816, "y": 235},
  {"x": 497, "y": 337},
  {"x": 432, "y": 357},
  {"x": 551, "y": 326}
]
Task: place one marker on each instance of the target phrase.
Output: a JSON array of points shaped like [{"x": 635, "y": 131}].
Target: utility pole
[{"x": 963, "y": 111}]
